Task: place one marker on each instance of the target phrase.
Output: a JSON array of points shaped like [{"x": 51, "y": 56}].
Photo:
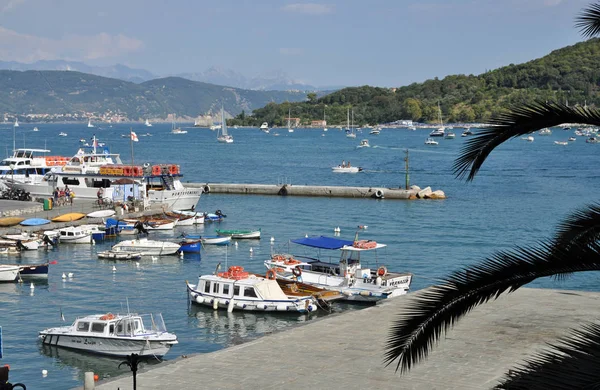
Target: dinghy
[
  {"x": 34, "y": 222},
  {"x": 101, "y": 214},
  {"x": 68, "y": 217},
  {"x": 10, "y": 221},
  {"x": 240, "y": 234},
  {"x": 117, "y": 255},
  {"x": 147, "y": 247}
]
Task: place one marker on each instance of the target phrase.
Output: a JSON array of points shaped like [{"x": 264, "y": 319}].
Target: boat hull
[
  {"x": 108, "y": 346},
  {"x": 216, "y": 240},
  {"x": 304, "y": 305},
  {"x": 34, "y": 271},
  {"x": 140, "y": 246},
  {"x": 8, "y": 273},
  {"x": 191, "y": 246}
]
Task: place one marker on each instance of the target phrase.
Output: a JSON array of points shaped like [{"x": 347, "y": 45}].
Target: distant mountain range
[
  {"x": 71, "y": 92},
  {"x": 274, "y": 81}
]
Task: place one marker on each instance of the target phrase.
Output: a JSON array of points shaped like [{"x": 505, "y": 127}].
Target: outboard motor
[
  {"x": 220, "y": 214},
  {"x": 140, "y": 227},
  {"x": 49, "y": 241},
  {"x": 20, "y": 246}
]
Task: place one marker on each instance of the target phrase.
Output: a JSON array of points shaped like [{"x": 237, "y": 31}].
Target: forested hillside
[{"x": 571, "y": 75}]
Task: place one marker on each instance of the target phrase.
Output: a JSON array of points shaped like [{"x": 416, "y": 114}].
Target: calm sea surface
[{"x": 521, "y": 194}]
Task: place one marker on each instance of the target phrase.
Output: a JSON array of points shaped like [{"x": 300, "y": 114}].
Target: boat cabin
[{"x": 251, "y": 288}]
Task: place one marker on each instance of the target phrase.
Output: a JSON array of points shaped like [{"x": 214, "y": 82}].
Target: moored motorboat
[
  {"x": 75, "y": 235},
  {"x": 8, "y": 273},
  {"x": 348, "y": 276},
  {"x": 34, "y": 271},
  {"x": 236, "y": 289},
  {"x": 198, "y": 218},
  {"x": 238, "y": 233},
  {"x": 147, "y": 247},
  {"x": 346, "y": 169},
  {"x": 430, "y": 141},
  {"x": 215, "y": 240},
  {"x": 188, "y": 245},
  {"x": 114, "y": 334}
]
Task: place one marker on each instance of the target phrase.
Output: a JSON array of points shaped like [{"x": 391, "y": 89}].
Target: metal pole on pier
[{"x": 407, "y": 175}]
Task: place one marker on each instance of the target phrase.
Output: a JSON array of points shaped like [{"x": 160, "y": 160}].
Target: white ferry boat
[
  {"x": 349, "y": 276},
  {"x": 29, "y": 165},
  {"x": 87, "y": 172},
  {"x": 114, "y": 334}
]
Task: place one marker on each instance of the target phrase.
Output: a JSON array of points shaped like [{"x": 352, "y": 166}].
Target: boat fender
[
  {"x": 378, "y": 281},
  {"x": 206, "y": 189},
  {"x": 297, "y": 271},
  {"x": 310, "y": 308},
  {"x": 230, "y": 306},
  {"x": 265, "y": 307},
  {"x": 241, "y": 305},
  {"x": 282, "y": 307},
  {"x": 199, "y": 299},
  {"x": 379, "y": 194},
  {"x": 215, "y": 303}
]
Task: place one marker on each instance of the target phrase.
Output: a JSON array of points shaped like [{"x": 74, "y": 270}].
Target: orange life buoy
[
  {"x": 381, "y": 271},
  {"x": 271, "y": 274},
  {"x": 108, "y": 316},
  {"x": 297, "y": 271},
  {"x": 279, "y": 258}
]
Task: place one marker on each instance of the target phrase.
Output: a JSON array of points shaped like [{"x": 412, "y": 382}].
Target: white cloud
[
  {"x": 291, "y": 51},
  {"x": 7, "y": 5},
  {"x": 309, "y": 8},
  {"x": 29, "y": 48}
]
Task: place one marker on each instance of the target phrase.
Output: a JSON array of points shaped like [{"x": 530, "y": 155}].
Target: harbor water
[{"x": 523, "y": 191}]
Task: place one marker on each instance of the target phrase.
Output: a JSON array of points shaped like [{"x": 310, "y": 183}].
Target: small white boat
[
  {"x": 215, "y": 240},
  {"x": 101, "y": 214},
  {"x": 545, "y": 131},
  {"x": 147, "y": 247},
  {"x": 114, "y": 334},
  {"x": 561, "y": 142},
  {"x": 178, "y": 131},
  {"x": 75, "y": 235},
  {"x": 467, "y": 132},
  {"x": 572, "y": 139},
  {"x": 8, "y": 273},
  {"x": 90, "y": 123},
  {"x": 430, "y": 141},
  {"x": 148, "y": 124},
  {"x": 364, "y": 144},
  {"x": 528, "y": 138},
  {"x": 236, "y": 289},
  {"x": 16, "y": 123},
  {"x": 198, "y": 217},
  {"x": 264, "y": 127},
  {"x": 592, "y": 140},
  {"x": 222, "y": 135},
  {"x": 345, "y": 169},
  {"x": 62, "y": 134},
  {"x": 450, "y": 135},
  {"x": 35, "y": 129},
  {"x": 117, "y": 255},
  {"x": 375, "y": 131}
]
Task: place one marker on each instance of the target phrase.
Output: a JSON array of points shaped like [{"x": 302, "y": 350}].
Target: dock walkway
[{"x": 345, "y": 351}]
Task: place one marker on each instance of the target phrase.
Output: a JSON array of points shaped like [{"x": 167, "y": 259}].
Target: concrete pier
[
  {"x": 345, "y": 351},
  {"x": 305, "y": 190}
]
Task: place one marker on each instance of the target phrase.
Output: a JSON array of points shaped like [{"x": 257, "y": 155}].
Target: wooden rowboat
[
  {"x": 68, "y": 217},
  {"x": 10, "y": 221}
]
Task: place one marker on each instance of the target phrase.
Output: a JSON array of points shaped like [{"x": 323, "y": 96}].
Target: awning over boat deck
[{"x": 323, "y": 242}]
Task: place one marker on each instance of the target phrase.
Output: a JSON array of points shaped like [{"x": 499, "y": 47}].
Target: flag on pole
[{"x": 134, "y": 137}]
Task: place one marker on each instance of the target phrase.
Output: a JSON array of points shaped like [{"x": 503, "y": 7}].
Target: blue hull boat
[
  {"x": 33, "y": 270},
  {"x": 34, "y": 222},
  {"x": 190, "y": 246}
]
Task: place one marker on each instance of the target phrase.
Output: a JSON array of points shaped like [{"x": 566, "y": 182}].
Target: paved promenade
[{"x": 346, "y": 351}]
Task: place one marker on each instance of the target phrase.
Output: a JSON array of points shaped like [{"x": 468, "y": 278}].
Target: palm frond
[
  {"x": 588, "y": 21},
  {"x": 432, "y": 312},
  {"x": 580, "y": 228},
  {"x": 520, "y": 121},
  {"x": 571, "y": 364}
]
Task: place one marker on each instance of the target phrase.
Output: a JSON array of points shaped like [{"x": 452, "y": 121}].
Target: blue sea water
[{"x": 522, "y": 192}]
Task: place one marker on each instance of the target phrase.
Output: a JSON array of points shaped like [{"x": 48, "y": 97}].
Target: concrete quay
[
  {"x": 306, "y": 190},
  {"x": 345, "y": 351}
]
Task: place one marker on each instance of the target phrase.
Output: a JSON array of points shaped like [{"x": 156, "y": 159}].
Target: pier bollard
[{"x": 88, "y": 381}]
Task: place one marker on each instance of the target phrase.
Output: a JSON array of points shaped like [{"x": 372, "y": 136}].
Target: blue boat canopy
[{"x": 323, "y": 242}]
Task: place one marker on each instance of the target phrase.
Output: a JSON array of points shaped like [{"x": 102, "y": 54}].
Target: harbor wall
[{"x": 317, "y": 191}]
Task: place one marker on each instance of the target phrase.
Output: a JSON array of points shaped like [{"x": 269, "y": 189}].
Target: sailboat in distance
[
  {"x": 351, "y": 133},
  {"x": 148, "y": 124},
  {"x": 324, "y": 120},
  {"x": 222, "y": 135},
  {"x": 440, "y": 131},
  {"x": 90, "y": 123},
  {"x": 290, "y": 130}
]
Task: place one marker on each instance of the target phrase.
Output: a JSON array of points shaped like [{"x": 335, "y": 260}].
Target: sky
[{"x": 388, "y": 43}]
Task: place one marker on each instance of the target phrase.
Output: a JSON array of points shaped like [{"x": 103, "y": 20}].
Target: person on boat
[
  {"x": 348, "y": 166},
  {"x": 343, "y": 163},
  {"x": 100, "y": 195}
]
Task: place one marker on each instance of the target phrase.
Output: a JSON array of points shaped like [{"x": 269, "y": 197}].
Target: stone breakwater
[{"x": 414, "y": 192}]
